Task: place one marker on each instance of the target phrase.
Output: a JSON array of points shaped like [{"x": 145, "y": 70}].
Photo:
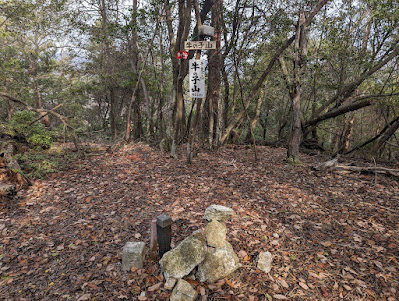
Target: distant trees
[{"x": 313, "y": 73}]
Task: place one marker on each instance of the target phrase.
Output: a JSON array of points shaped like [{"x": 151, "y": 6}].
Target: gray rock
[
  {"x": 181, "y": 260},
  {"x": 218, "y": 264},
  {"x": 183, "y": 291},
  {"x": 170, "y": 283},
  {"x": 133, "y": 255},
  {"x": 215, "y": 233},
  {"x": 218, "y": 212},
  {"x": 265, "y": 262}
]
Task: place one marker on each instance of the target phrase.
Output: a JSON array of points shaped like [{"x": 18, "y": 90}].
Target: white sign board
[
  {"x": 199, "y": 45},
  {"x": 197, "y": 78}
]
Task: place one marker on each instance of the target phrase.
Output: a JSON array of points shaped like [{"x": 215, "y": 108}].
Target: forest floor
[{"x": 332, "y": 236}]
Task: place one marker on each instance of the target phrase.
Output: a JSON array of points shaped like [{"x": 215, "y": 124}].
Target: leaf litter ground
[{"x": 332, "y": 236}]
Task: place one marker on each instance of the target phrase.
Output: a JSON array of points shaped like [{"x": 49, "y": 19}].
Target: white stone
[
  {"x": 170, "y": 283},
  {"x": 265, "y": 262},
  {"x": 183, "y": 291},
  {"x": 181, "y": 260},
  {"x": 133, "y": 255},
  {"x": 218, "y": 212},
  {"x": 215, "y": 233},
  {"x": 218, "y": 264}
]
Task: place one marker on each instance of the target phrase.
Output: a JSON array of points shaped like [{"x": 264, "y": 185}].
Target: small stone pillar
[
  {"x": 133, "y": 255},
  {"x": 164, "y": 233}
]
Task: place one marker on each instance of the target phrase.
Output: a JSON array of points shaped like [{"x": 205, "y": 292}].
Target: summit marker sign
[{"x": 197, "y": 78}]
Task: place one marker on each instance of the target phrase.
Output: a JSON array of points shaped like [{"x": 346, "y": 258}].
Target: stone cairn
[
  {"x": 208, "y": 251},
  {"x": 207, "y": 255}
]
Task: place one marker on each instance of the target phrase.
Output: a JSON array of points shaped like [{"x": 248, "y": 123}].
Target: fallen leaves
[{"x": 326, "y": 241}]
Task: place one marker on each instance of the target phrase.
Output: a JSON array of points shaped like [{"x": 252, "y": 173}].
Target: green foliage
[
  {"x": 34, "y": 133},
  {"x": 38, "y": 163}
]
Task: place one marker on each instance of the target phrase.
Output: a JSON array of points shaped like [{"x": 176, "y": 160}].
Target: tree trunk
[
  {"x": 296, "y": 125},
  {"x": 346, "y": 135},
  {"x": 385, "y": 137},
  {"x": 45, "y": 120},
  {"x": 211, "y": 114},
  {"x": 255, "y": 119},
  {"x": 180, "y": 68},
  {"x": 193, "y": 129}
]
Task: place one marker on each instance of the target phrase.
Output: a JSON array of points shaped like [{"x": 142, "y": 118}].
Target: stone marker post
[
  {"x": 153, "y": 240},
  {"x": 164, "y": 233}
]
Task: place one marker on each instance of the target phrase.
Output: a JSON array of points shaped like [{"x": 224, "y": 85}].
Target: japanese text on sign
[
  {"x": 182, "y": 55},
  {"x": 197, "y": 78},
  {"x": 199, "y": 45}
]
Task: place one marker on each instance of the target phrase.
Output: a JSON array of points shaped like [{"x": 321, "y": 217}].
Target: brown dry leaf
[
  {"x": 283, "y": 283},
  {"x": 303, "y": 285},
  {"x": 326, "y": 243},
  {"x": 280, "y": 297},
  {"x": 92, "y": 285},
  {"x": 84, "y": 297},
  {"x": 318, "y": 276},
  {"x": 228, "y": 282},
  {"x": 324, "y": 292},
  {"x": 242, "y": 254},
  {"x": 155, "y": 287},
  {"x": 378, "y": 264},
  {"x": 347, "y": 287},
  {"x": 133, "y": 269}
]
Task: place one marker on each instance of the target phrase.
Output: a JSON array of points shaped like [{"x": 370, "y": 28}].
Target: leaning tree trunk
[{"x": 385, "y": 137}]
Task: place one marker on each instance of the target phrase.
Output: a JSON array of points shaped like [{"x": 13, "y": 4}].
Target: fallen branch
[
  {"x": 62, "y": 118},
  {"x": 335, "y": 166}
]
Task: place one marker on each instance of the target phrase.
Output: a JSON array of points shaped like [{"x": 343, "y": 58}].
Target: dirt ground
[{"x": 332, "y": 236}]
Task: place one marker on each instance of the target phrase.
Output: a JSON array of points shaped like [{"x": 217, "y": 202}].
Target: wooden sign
[{"x": 199, "y": 45}]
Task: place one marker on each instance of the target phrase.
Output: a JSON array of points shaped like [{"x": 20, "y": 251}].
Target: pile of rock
[
  {"x": 205, "y": 255},
  {"x": 208, "y": 251}
]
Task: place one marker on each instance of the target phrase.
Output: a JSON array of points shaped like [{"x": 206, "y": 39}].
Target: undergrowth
[{"x": 38, "y": 164}]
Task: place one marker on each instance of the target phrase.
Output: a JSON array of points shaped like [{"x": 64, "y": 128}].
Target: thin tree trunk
[
  {"x": 379, "y": 134},
  {"x": 346, "y": 135},
  {"x": 133, "y": 105},
  {"x": 45, "y": 120},
  {"x": 193, "y": 129}
]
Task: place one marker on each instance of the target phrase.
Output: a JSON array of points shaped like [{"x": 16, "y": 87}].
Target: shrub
[{"x": 34, "y": 133}]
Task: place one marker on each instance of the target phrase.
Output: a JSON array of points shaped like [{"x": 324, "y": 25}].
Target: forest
[
  {"x": 296, "y": 130},
  {"x": 318, "y": 75}
]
